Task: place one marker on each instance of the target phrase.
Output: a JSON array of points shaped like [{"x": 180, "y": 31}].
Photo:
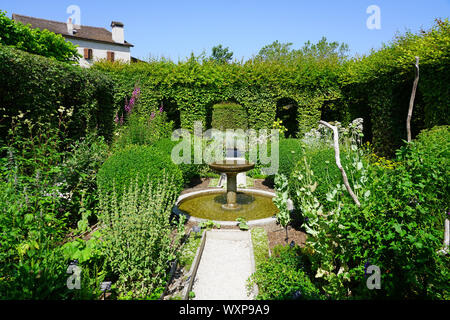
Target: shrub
[
  {"x": 189, "y": 170},
  {"x": 136, "y": 162},
  {"x": 138, "y": 238},
  {"x": 325, "y": 172},
  {"x": 282, "y": 277},
  {"x": 428, "y": 160},
  {"x": 33, "y": 218},
  {"x": 377, "y": 87},
  {"x": 290, "y": 152},
  {"x": 69, "y": 98},
  {"x": 41, "y": 42},
  {"x": 397, "y": 220},
  {"x": 229, "y": 116},
  {"x": 141, "y": 128},
  {"x": 397, "y": 228},
  {"x": 80, "y": 172}
]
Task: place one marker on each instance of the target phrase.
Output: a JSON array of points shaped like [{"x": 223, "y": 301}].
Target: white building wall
[{"x": 99, "y": 51}]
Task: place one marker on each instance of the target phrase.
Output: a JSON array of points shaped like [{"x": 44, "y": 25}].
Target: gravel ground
[{"x": 226, "y": 264}]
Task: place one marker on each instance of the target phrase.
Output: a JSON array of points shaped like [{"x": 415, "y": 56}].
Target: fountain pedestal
[{"x": 231, "y": 192}]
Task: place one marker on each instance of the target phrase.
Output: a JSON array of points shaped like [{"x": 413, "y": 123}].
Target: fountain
[
  {"x": 215, "y": 204},
  {"x": 231, "y": 168}
]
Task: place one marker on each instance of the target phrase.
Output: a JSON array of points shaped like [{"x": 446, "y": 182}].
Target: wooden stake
[
  {"x": 338, "y": 161},
  {"x": 411, "y": 101}
]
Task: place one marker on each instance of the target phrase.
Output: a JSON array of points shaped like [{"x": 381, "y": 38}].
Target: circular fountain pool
[{"x": 209, "y": 205}]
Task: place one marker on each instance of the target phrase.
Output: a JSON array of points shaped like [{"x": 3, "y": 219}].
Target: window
[
  {"x": 88, "y": 54},
  {"x": 110, "y": 56}
]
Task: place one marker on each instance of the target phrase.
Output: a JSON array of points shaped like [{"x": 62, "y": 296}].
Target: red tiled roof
[{"x": 83, "y": 33}]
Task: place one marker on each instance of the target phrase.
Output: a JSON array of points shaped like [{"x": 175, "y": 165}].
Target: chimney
[
  {"x": 117, "y": 32},
  {"x": 70, "y": 26}
]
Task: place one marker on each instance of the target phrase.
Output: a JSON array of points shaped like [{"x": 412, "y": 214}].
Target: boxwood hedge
[{"x": 136, "y": 162}]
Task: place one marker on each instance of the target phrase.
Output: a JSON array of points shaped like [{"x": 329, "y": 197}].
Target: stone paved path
[{"x": 225, "y": 265}]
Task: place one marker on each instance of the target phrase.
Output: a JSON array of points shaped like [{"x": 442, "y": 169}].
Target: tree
[
  {"x": 41, "y": 42},
  {"x": 283, "y": 52},
  {"x": 325, "y": 50},
  {"x": 221, "y": 55},
  {"x": 276, "y": 51}
]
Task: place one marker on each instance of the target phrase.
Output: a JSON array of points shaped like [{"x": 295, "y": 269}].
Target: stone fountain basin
[
  {"x": 232, "y": 166},
  {"x": 176, "y": 210}
]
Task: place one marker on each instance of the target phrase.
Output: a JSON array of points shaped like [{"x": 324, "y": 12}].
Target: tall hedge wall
[
  {"x": 196, "y": 85},
  {"x": 378, "y": 87},
  {"x": 38, "y": 87},
  {"x": 229, "y": 116}
]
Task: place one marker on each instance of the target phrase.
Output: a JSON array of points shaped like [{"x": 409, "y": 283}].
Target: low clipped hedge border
[
  {"x": 136, "y": 162},
  {"x": 38, "y": 87}
]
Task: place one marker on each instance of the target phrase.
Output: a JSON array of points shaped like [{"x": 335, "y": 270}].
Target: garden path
[{"x": 225, "y": 265}]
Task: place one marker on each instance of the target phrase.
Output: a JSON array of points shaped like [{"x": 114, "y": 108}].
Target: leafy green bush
[
  {"x": 399, "y": 226},
  {"x": 290, "y": 152},
  {"x": 142, "y": 128},
  {"x": 321, "y": 162},
  {"x": 378, "y": 86},
  {"x": 137, "y": 162},
  {"x": 138, "y": 238},
  {"x": 80, "y": 172},
  {"x": 398, "y": 221},
  {"x": 428, "y": 160},
  {"x": 71, "y": 99},
  {"x": 91, "y": 260},
  {"x": 282, "y": 277},
  {"x": 33, "y": 218},
  {"x": 229, "y": 116},
  {"x": 189, "y": 170},
  {"x": 41, "y": 42}
]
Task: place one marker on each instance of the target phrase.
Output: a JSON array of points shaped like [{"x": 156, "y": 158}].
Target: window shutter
[
  {"x": 87, "y": 53},
  {"x": 110, "y": 56}
]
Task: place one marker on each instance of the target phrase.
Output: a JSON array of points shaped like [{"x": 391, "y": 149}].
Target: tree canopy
[{"x": 41, "y": 42}]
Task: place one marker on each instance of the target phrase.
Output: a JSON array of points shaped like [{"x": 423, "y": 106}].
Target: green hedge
[
  {"x": 326, "y": 173},
  {"x": 229, "y": 116},
  {"x": 195, "y": 86},
  {"x": 189, "y": 170},
  {"x": 290, "y": 152},
  {"x": 136, "y": 162},
  {"x": 378, "y": 87},
  {"x": 38, "y": 87}
]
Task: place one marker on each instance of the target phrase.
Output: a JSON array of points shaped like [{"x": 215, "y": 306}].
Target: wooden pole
[
  {"x": 411, "y": 101},
  {"x": 338, "y": 161}
]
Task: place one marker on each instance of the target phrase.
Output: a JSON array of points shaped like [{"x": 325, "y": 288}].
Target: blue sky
[{"x": 174, "y": 29}]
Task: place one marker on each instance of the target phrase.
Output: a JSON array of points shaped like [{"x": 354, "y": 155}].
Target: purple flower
[
  {"x": 152, "y": 115},
  {"x": 136, "y": 92},
  {"x": 116, "y": 119},
  {"x": 161, "y": 109},
  {"x": 121, "y": 119}
]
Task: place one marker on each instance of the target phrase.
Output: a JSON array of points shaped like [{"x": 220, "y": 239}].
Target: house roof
[{"x": 83, "y": 32}]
